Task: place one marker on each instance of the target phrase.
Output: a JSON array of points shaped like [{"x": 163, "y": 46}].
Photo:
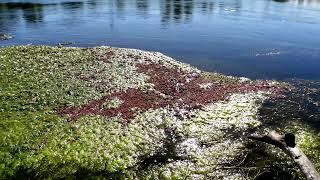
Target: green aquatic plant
[
  {"x": 37, "y": 78},
  {"x": 171, "y": 139},
  {"x": 43, "y": 145},
  {"x": 309, "y": 142}
]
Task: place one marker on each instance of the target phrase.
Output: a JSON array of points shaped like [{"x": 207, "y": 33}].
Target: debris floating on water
[{"x": 5, "y": 37}]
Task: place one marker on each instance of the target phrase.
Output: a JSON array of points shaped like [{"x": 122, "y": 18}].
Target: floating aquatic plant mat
[{"x": 123, "y": 113}]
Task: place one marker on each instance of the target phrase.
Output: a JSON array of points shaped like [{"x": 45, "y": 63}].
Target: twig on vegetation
[{"x": 287, "y": 144}]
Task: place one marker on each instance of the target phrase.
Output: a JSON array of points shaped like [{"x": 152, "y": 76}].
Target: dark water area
[
  {"x": 301, "y": 103},
  {"x": 272, "y": 39}
]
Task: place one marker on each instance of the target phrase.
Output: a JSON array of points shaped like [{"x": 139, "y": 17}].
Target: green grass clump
[
  {"x": 220, "y": 78},
  {"x": 309, "y": 142},
  {"x": 37, "y": 78},
  {"x": 42, "y": 145},
  {"x": 22, "y": 135},
  {"x": 34, "y": 81}
]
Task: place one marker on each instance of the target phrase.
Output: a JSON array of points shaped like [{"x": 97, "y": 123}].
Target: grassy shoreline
[{"x": 125, "y": 113}]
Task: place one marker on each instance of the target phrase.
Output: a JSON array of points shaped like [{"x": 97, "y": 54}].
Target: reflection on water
[
  {"x": 31, "y": 13},
  {"x": 142, "y": 6},
  {"x": 307, "y": 2},
  {"x": 281, "y": 0},
  {"x": 176, "y": 10},
  {"x": 171, "y": 10},
  {"x": 72, "y": 5},
  {"x": 259, "y": 39}
]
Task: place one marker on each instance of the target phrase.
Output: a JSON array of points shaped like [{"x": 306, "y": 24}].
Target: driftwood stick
[{"x": 287, "y": 144}]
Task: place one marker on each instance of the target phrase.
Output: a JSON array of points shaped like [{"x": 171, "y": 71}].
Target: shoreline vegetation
[{"x": 120, "y": 113}]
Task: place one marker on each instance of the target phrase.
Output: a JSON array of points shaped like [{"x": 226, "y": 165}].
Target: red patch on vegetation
[
  {"x": 186, "y": 91},
  {"x": 104, "y": 57},
  {"x": 133, "y": 100},
  {"x": 178, "y": 88}
]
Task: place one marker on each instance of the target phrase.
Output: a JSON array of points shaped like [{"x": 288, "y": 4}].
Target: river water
[{"x": 273, "y": 39}]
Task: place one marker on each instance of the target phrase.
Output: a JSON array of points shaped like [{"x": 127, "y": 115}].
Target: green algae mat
[{"x": 112, "y": 113}]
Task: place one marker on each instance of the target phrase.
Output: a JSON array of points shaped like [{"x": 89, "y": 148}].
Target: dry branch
[{"x": 287, "y": 144}]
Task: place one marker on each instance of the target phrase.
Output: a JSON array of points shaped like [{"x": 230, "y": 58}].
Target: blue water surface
[{"x": 264, "y": 39}]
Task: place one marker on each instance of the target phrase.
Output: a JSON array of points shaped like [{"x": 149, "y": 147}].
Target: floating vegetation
[
  {"x": 61, "y": 44},
  {"x": 124, "y": 113},
  {"x": 5, "y": 37}
]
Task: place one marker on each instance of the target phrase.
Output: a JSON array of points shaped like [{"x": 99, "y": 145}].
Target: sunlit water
[{"x": 254, "y": 38}]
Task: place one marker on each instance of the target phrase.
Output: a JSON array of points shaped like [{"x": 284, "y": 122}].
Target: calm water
[{"x": 255, "y": 38}]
